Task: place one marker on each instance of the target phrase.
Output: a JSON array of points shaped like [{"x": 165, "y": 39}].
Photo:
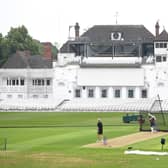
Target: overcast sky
[{"x": 49, "y": 20}]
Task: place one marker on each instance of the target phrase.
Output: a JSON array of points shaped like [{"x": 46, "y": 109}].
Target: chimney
[
  {"x": 157, "y": 28},
  {"x": 47, "y": 50},
  {"x": 77, "y": 27}
]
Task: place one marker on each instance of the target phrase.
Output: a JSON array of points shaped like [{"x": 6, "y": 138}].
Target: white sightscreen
[{"x": 110, "y": 77}]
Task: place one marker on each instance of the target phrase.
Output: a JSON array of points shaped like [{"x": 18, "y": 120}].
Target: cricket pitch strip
[{"x": 126, "y": 140}]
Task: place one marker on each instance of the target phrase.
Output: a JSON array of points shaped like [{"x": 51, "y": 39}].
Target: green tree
[
  {"x": 19, "y": 39},
  {"x": 1, "y": 39},
  {"x": 55, "y": 50},
  {"x": 4, "y": 51}
]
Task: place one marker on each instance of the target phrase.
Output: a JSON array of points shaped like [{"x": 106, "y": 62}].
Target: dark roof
[
  {"x": 102, "y": 34},
  {"x": 163, "y": 36},
  {"x": 64, "y": 47},
  {"x": 22, "y": 61}
]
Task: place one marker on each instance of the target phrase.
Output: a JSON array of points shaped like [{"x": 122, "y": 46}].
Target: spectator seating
[
  {"x": 107, "y": 105},
  {"x": 84, "y": 105}
]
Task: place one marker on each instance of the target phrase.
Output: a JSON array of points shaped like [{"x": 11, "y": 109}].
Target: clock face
[{"x": 116, "y": 35}]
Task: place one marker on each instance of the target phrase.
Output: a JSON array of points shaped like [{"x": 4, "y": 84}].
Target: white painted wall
[
  {"x": 147, "y": 77},
  {"x": 156, "y": 79},
  {"x": 69, "y": 76},
  {"x": 64, "y": 81},
  {"x": 27, "y": 90},
  {"x": 110, "y": 77},
  {"x": 160, "y": 51},
  {"x": 66, "y": 58}
]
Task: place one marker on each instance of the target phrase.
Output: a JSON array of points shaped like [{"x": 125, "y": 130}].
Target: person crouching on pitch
[
  {"x": 152, "y": 120},
  {"x": 99, "y": 130}
]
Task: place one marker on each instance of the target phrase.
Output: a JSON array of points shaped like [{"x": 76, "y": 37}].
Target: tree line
[{"x": 18, "y": 39}]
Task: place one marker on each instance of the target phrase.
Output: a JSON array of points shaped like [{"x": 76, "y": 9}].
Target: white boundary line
[{"x": 138, "y": 152}]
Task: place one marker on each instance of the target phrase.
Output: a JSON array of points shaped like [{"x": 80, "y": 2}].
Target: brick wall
[{"x": 47, "y": 50}]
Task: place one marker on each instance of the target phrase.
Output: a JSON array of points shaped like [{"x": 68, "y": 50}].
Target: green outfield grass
[{"x": 55, "y": 140}]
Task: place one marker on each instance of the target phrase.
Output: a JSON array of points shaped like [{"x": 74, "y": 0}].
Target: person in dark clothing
[
  {"x": 152, "y": 120},
  {"x": 99, "y": 130}
]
